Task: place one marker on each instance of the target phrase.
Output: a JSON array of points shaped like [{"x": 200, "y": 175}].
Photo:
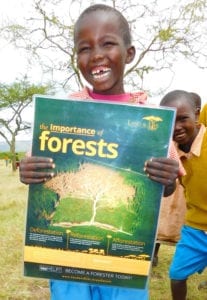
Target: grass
[
  {"x": 159, "y": 282},
  {"x": 14, "y": 286}
]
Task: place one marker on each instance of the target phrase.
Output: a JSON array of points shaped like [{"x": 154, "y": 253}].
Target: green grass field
[{"x": 14, "y": 286}]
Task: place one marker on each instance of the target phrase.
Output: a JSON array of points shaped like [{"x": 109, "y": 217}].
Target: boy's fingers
[
  {"x": 164, "y": 181},
  {"x": 36, "y": 166},
  {"x": 164, "y": 164},
  {"x": 162, "y": 170},
  {"x": 35, "y": 163},
  {"x": 35, "y": 177},
  {"x": 37, "y": 159}
]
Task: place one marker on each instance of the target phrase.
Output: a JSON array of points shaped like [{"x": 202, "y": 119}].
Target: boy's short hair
[
  {"x": 124, "y": 25},
  {"x": 197, "y": 99},
  {"x": 176, "y": 95}
]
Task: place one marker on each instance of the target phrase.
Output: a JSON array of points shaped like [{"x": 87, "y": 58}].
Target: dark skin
[
  {"x": 185, "y": 131},
  {"x": 186, "y": 127},
  {"x": 102, "y": 55}
]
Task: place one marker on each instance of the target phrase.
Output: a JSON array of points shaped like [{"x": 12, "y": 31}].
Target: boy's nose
[
  {"x": 177, "y": 125},
  {"x": 97, "y": 54}
]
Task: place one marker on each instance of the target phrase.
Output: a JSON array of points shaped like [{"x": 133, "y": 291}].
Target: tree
[
  {"x": 14, "y": 99},
  {"x": 102, "y": 186},
  {"x": 162, "y": 32}
]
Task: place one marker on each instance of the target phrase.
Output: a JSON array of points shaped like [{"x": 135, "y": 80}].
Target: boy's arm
[
  {"x": 168, "y": 190},
  {"x": 165, "y": 171}
]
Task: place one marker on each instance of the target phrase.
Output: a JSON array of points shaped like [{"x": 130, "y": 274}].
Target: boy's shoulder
[
  {"x": 198, "y": 144},
  {"x": 139, "y": 97},
  {"x": 82, "y": 94}
]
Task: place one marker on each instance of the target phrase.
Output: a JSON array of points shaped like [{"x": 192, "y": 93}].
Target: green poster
[{"x": 96, "y": 220}]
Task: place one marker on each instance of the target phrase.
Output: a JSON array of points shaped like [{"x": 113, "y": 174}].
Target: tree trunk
[{"x": 14, "y": 155}]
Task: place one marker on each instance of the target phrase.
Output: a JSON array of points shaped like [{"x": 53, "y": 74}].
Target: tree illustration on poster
[{"x": 102, "y": 186}]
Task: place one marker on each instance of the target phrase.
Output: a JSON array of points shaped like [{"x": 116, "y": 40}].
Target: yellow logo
[{"x": 153, "y": 122}]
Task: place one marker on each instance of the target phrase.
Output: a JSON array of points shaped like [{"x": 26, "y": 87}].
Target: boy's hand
[
  {"x": 164, "y": 171},
  {"x": 33, "y": 169}
]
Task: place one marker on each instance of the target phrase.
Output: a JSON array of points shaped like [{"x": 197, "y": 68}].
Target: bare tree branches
[{"x": 162, "y": 32}]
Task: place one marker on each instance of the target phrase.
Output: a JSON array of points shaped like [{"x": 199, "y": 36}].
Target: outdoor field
[{"x": 14, "y": 286}]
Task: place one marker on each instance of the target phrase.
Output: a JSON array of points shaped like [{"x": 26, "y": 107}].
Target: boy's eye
[
  {"x": 109, "y": 43},
  {"x": 83, "y": 49},
  {"x": 183, "y": 119}
]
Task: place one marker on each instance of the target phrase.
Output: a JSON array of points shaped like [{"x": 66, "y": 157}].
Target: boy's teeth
[{"x": 100, "y": 71}]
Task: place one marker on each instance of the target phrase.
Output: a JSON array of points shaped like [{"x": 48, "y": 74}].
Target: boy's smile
[{"x": 100, "y": 73}]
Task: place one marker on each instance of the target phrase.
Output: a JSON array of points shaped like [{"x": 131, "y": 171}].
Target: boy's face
[
  {"x": 101, "y": 52},
  {"x": 185, "y": 129}
]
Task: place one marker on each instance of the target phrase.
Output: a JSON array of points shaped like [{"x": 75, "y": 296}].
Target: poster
[{"x": 96, "y": 220}]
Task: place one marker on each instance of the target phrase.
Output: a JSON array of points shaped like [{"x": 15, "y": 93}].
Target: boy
[
  {"x": 191, "y": 138},
  {"x": 103, "y": 45},
  {"x": 173, "y": 208}
]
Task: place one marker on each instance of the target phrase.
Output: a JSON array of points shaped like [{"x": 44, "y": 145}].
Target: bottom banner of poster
[{"x": 69, "y": 265}]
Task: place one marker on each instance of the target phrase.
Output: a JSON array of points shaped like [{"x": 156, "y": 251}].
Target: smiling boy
[
  {"x": 191, "y": 139},
  {"x": 102, "y": 42}
]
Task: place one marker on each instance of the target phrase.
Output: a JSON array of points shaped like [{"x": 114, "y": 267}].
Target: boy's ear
[
  {"x": 197, "y": 113},
  {"x": 130, "y": 54}
]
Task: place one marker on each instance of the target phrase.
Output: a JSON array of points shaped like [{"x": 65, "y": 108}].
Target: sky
[
  {"x": 189, "y": 77},
  {"x": 13, "y": 63}
]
